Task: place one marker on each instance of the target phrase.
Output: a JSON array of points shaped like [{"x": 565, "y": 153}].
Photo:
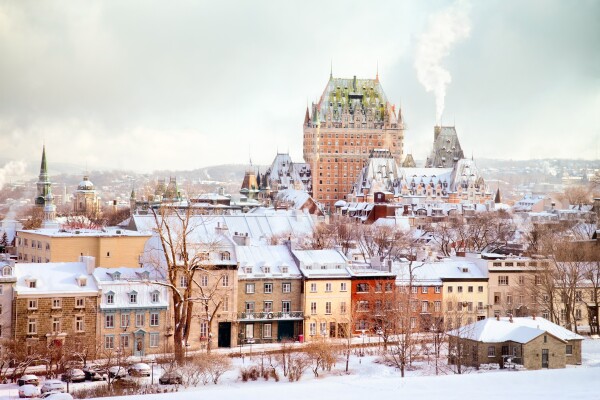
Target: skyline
[{"x": 104, "y": 85}]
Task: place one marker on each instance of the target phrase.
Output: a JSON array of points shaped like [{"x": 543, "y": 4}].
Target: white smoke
[
  {"x": 444, "y": 30},
  {"x": 12, "y": 170}
]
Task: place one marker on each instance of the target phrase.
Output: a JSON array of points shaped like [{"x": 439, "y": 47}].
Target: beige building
[
  {"x": 327, "y": 293},
  {"x": 7, "y": 282},
  {"x": 55, "y": 305},
  {"x": 269, "y": 295},
  {"x": 111, "y": 248}
]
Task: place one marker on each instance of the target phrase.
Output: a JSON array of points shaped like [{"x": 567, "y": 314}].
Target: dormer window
[
  {"x": 284, "y": 270},
  {"x": 133, "y": 297},
  {"x": 203, "y": 256},
  {"x": 32, "y": 284},
  {"x": 116, "y": 276},
  {"x": 267, "y": 270},
  {"x": 323, "y": 266},
  {"x": 144, "y": 275},
  {"x": 6, "y": 271},
  {"x": 248, "y": 270},
  {"x": 155, "y": 296},
  {"x": 82, "y": 281},
  {"x": 110, "y": 298},
  {"x": 225, "y": 256}
]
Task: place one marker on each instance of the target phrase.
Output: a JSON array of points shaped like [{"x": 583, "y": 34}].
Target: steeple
[
  {"x": 497, "y": 199},
  {"x": 43, "y": 184}
]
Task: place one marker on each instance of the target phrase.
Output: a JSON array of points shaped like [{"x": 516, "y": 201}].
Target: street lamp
[{"x": 152, "y": 364}]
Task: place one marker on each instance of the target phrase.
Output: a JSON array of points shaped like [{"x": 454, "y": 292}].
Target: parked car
[
  {"x": 29, "y": 391},
  {"x": 126, "y": 382},
  {"x": 28, "y": 380},
  {"x": 139, "y": 369},
  {"x": 53, "y": 385},
  {"x": 73, "y": 375},
  {"x": 170, "y": 378},
  {"x": 95, "y": 375},
  {"x": 117, "y": 372},
  {"x": 58, "y": 396},
  {"x": 48, "y": 394}
]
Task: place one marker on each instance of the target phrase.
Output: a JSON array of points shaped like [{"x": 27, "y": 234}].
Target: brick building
[{"x": 352, "y": 117}]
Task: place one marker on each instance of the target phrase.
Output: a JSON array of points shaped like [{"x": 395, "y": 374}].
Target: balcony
[{"x": 269, "y": 316}]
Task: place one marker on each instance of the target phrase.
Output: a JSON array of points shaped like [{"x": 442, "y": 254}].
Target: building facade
[{"x": 352, "y": 117}]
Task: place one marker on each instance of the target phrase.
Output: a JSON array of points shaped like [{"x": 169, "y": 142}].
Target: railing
[{"x": 252, "y": 316}]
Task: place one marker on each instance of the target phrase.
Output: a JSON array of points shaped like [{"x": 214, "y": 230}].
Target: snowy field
[{"x": 368, "y": 379}]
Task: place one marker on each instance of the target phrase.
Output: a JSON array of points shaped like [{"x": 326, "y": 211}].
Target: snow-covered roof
[
  {"x": 104, "y": 232},
  {"x": 520, "y": 330},
  {"x": 121, "y": 282},
  {"x": 254, "y": 259},
  {"x": 322, "y": 263},
  {"x": 437, "y": 272},
  {"x": 54, "y": 278},
  {"x": 297, "y": 197}
]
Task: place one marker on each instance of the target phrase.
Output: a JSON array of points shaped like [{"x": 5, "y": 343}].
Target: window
[
  {"x": 479, "y": 306},
  {"x": 225, "y": 256},
  {"x": 286, "y": 306},
  {"x": 378, "y": 286},
  {"x": 313, "y": 307},
  {"x": 81, "y": 281},
  {"x": 226, "y": 303},
  {"x": 249, "y": 306},
  {"x": 125, "y": 341},
  {"x": 521, "y": 280},
  {"x": 139, "y": 319},
  {"x": 109, "y": 342},
  {"x": 437, "y": 306},
  {"x": 267, "y": 330},
  {"x": 225, "y": 281},
  {"x": 362, "y": 305},
  {"x": 32, "y": 304},
  {"x": 470, "y": 307},
  {"x": 110, "y": 298},
  {"x": 569, "y": 350},
  {"x": 343, "y": 287},
  {"x": 328, "y": 307},
  {"x": 449, "y": 306},
  {"x": 203, "y": 329},
  {"x": 438, "y": 289},
  {"x": 249, "y": 288},
  {"x": 56, "y": 303},
  {"x": 125, "y": 321},
  {"x": 32, "y": 284},
  {"x": 154, "y": 339},
  {"x": 153, "y": 319},
  {"x": 109, "y": 321},
  {"x": 362, "y": 287},
  {"x": 497, "y": 297},
  {"x": 32, "y": 326},
  {"x": 388, "y": 287},
  {"x": 268, "y": 288},
  {"x": 459, "y": 289},
  {"x": 538, "y": 280},
  {"x": 323, "y": 328},
  {"x": 503, "y": 280},
  {"x": 414, "y": 290},
  {"x": 449, "y": 289},
  {"x": 313, "y": 287},
  {"x": 286, "y": 287},
  {"x": 424, "y": 306},
  {"x": 204, "y": 280},
  {"x": 509, "y": 299},
  {"x": 183, "y": 282},
  {"x": 424, "y": 289},
  {"x": 79, "y": 302},
  {"x": 268, "y": 306},
  {"x": 480, "y": 289},
  {"x": 267, "y": 270},
  {"x": 313, "y": 328},
  {"x": 55, "y": 324},
  {"x": 328, "y": 287},
  {"x": 284, "y": 270},
  {"x": 413, "y": 322},
  {"x": 578, "y": 314},
  {"x": 491, "y": 351},
  {"x": 79, "y": 323},
  {"x": 133, "y": 297},
  {"x": 154, "y": 296},
  {"x": 578, "y": 295},
  {"x": 470, "y": 289},
  {"x": 343, "y": 307}
]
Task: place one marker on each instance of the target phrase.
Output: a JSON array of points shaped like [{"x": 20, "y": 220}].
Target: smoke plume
[
  {"x": 444, "y": 30},
  {"x": 12, "y": 170}
]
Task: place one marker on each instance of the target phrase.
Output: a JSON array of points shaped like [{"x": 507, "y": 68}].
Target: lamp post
[
  {"x": 362, "y": 351},
  {"x": 152, "y": 364}
]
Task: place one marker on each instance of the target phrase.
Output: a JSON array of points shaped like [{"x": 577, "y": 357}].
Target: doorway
[
  {"x": 545, "y": 361},
  {"x": 224, "y": 339}
]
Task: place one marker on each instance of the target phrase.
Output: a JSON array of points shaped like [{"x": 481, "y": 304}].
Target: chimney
[
  {"x": 90, "y": 263},
  {"x": 436, "y": 132},
  {"x": 510, "y": 318}
]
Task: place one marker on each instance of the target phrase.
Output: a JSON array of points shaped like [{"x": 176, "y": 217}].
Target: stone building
[
  {"x": 532, "y": 342},
  {"x": 352, "y": 117},
  {"x": 446, "y": 149},
  {"x": 55, "y": 305},
  {"x": 85, "y": 198},
  {"x": 269, "y": 294},
  {"x": 7, "y": 281},
  {"x": 133, "y": 311}
]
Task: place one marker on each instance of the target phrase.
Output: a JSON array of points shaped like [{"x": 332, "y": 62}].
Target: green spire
[{"x": 43, "y": 167}]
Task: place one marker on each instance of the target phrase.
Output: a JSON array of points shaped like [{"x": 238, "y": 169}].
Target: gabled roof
[
  {"x": 53, "y": 278},
  {"x": 520, "y": 330}
]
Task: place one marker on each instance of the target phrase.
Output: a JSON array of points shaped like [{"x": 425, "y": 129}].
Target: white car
[
  {"x": 117, "y": 372},
  {"x": 53, "y": 385},
  {"x": 28, "y": 391},
  {"x": 139, "y": 369},
  {"x": 28, "y": 380},
  {"x": 59, "y": 396}
]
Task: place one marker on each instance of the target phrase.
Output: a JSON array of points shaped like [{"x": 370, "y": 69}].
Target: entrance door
[
  {"x": 139, "y": 346},
  {"x": 545, "y": 358},
  {"x": 285, "y": 330},
  {"x": 224, "y": 339},
  {"x": 332, "y": 329}
]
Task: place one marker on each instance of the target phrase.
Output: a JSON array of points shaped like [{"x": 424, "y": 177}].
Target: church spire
[
  {"x": 43, "y": 184},
  {"x": 44, "y": 167}
]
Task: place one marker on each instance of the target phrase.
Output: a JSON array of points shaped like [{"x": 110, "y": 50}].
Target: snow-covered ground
[{"x": 373, "y": 380}]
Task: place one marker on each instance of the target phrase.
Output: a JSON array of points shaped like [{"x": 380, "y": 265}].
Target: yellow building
[
  {"x": 327, "y": 295},
  {"x": 111, "y": 248}
]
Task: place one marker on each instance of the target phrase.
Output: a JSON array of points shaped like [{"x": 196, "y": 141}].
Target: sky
[{"x": 154, "y": 85}]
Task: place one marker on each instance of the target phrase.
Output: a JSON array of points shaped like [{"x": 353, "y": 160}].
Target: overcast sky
[{"x": 148, "y": 85}]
